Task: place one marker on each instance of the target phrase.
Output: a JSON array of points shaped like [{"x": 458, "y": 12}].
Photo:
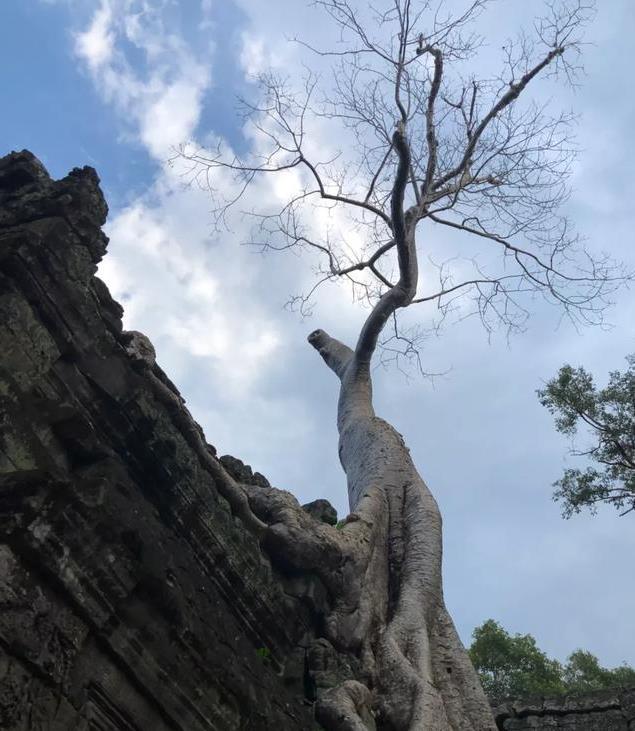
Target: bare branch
[
  {"x": 464, "y": 155},
  {"x": 402, "y": 293},
  {"x": 344, "y": 199}
]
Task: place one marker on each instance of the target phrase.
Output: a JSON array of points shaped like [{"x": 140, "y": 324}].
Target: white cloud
[
  {"x": 95, "y": 45},
  {"x": 254, "y": 58},
  {"x": 171, "y": 115},
  {"x": 192, "y": 293},
  {"x": 160, "y": 106}
]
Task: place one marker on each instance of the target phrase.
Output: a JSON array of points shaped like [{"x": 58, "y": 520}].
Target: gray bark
[
  {"x": 392, "y": 613},
  {"x": 393, "y": 616}
]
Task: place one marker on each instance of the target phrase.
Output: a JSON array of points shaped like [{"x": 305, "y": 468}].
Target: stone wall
[
  {"x": 132, "y": 597},
  {"x": 601, "y": 711}
]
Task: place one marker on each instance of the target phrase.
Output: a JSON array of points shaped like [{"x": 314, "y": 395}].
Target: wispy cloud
[
  {"x": 191, "y": 293},
  {"x": 95, "y": 45},
  {"x": 160, "y": 98}
]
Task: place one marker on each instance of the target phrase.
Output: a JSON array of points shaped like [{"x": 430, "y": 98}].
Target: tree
[
  {"x": 583, "y": 673},
  {"x": 512, "y": 666},
  {"x": 425, "y": 146},
  {"x": 609, "y": 414}
]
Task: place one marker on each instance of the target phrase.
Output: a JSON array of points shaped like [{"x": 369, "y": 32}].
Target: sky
[{"x": 116, "y": 84}]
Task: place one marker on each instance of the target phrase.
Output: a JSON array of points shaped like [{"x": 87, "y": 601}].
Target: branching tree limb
[{"x": 478, "y": 162}]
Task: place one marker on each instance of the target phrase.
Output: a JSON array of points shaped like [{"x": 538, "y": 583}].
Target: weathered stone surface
[
  {"x": 322, "y": 510},
  {"x": 242, "y": 472},
  {"x": 607, "y": 710},
  {"x": 130, "y": 595}
]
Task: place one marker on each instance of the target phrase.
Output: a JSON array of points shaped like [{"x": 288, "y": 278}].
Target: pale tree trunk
[
  {"x": 408, "y": 669},
  {"x": 392, "y": 614}
]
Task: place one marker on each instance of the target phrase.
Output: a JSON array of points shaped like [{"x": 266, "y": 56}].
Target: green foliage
[
  {"x": 513, "y": 666},
  {"x": 340, "y": 524},
  {"x": 583, "y": 673},
  {"x": 264, "y": 653},
  {"x": 609, "y": 416}
]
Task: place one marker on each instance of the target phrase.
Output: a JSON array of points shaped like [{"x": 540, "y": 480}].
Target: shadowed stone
[{"x": 322, "y": 510}]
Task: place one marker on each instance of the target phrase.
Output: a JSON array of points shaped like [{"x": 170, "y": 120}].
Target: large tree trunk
[
  {"x": 384, "y": 568},
  {"x": 415, "y": 672}
]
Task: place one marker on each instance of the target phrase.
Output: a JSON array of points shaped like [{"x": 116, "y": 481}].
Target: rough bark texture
[
  {"x": 393, "y": 616},
  {"x": 414, "y": 667},
  {"x": 146, "y": 584}
]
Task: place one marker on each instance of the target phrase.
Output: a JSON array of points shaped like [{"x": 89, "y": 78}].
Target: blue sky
[
  {"x": 67, "y": 122},
  {"x": 61, "y": 118},
  {"x": 116, "y": 83}
]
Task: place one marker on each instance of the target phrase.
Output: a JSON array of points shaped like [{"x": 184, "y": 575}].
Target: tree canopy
[
  {"x": 514, "y": 666},
  {"x": 423, "y": 145},
  {"x": 608, "y": 416}
]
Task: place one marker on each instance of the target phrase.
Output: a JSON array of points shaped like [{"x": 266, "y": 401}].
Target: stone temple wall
[
  {"x": 601, "y": 711},
  {"x": 131, "y": 597}
]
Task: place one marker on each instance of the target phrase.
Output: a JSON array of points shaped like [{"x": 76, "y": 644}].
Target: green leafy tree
[
  {"x": 583, "y": 673},
  {"x": 623, "y": 676},
  {"x": 514, "y": 666},
  {"x": 609, "y": 417}
]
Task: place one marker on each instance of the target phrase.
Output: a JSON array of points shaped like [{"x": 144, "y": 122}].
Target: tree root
[
  {"x": 346, "y": 707},
  {"x": 140, "y": 349}
]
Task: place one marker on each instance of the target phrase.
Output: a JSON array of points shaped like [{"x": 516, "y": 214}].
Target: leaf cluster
[
  {"x": 513, "y": 666},
  {"x": 608, "y": 416}
]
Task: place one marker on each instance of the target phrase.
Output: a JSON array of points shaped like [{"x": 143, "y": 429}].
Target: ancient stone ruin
[{"x": 134, "y": 594}]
